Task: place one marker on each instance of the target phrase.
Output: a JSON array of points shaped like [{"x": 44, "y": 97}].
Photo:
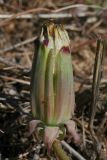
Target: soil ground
[{"x": 84, "y": 25}]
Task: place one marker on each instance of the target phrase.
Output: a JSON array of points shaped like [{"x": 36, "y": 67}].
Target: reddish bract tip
[
  {"x": 65, "y": 50},
  {"x": 45, "y": 42}
]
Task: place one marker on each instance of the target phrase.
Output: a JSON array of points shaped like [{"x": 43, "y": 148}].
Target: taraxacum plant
[{"x": 52, "y": 90}]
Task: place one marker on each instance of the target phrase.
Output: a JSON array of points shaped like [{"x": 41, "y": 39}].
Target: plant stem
[{"x": 61, "y": 154}]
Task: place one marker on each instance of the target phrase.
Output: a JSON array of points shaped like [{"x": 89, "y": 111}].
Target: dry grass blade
[
  {"x": 72, "y": 151},
  {"x": 34, "y": 10},
  {"x": 16, "y": 80},
  {"x": 97, "y": 75}
]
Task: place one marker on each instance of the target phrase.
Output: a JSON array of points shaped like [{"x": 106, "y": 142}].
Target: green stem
[{"x": 61, "y": 154}]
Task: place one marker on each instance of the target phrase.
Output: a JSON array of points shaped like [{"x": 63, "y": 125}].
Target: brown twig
[
  {"x": 18, "y": 45},
  {"x": 94, "y": 26},
  {"x": 84, "y": 6},
  {"x": 11, "y": 64}
]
